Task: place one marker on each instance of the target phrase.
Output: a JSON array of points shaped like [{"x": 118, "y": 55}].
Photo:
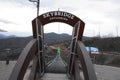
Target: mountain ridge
[{"x": 2, "y": 36}]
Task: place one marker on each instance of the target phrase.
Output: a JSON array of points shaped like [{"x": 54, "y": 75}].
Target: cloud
[
  {"x": 95, "y": 13},
  {"x": 6, "y": 21},
  {"x": 115, "y": 1},
  {"x": 115, "y": 14},
  {"x": 1, "y": 30},
  {"x": 47, "y": 3},
  {"x": 24, "y": 2},
  {"x": 14, "y": 18}
]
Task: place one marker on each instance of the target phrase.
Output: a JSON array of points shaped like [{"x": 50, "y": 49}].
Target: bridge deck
[
  {"x": 56, "y": 70},
  {"x": 56, "y": 66},
  {"x": 54, "y": 76}
]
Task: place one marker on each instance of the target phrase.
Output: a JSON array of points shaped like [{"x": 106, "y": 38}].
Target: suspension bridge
[{"x": 79, "y": 65}]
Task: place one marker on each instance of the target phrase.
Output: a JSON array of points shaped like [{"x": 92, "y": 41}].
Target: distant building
[{"x": 93, "y": 50}]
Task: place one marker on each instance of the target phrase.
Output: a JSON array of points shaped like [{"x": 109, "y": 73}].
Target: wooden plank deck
[{"x": 54, "y": 76}]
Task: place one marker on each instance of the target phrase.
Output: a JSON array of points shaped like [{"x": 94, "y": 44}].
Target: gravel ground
[
  {"x": 107, "y": 72},
  {"x": 103, "y": 72}
]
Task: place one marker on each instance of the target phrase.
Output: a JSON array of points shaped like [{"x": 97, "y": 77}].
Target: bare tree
[{"x": 117, "y": 30}]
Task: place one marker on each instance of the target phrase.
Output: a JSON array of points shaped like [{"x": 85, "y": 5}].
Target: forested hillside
[
  {"x": 108, "y": 46},
  {"x": 105, "y": 44}
]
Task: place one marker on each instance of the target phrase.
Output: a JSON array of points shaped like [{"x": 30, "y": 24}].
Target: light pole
[
  {"x": 37, "y": 31},
  {"x": 117, "y": 30},
  {"x": 38, "y": 4}
]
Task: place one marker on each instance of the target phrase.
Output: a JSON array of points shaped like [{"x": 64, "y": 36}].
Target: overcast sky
[{"x": 99, "y": 16}]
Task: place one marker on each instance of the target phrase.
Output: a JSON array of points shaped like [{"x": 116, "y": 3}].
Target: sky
[{"x": 101, "y": 17}]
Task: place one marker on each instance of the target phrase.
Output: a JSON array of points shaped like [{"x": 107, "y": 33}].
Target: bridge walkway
[
  {"x": 56, "y": 70},
  {"x": 57, "y": 66},
  {"x": 54, "y": 76}
]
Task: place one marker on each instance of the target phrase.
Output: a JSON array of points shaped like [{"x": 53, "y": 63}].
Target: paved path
[
  {"x": 107, "y": 72},
  {"x": 103, "y": 72},
  {"x": 5, "y": 70}
]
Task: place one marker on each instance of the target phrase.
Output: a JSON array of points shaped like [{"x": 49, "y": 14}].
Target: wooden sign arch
[
  {"x": 58, "y": 16},
  {"x": 78, "y": 52}
]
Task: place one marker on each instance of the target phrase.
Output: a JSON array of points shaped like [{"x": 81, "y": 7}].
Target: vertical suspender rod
[{"x": 73, "y": 45}]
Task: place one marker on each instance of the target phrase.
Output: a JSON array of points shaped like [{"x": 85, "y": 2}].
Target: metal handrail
[{"x": 23, "y": 61}]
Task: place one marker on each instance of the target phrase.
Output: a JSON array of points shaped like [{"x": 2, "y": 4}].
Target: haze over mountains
[
  {"x": 17, "y": 44},
  {"x": 2, "y": 36},
  {"x": 13, "y": 41},
  {"x": 106, "y": 45},
  {"x": 48, "y": 37}
]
